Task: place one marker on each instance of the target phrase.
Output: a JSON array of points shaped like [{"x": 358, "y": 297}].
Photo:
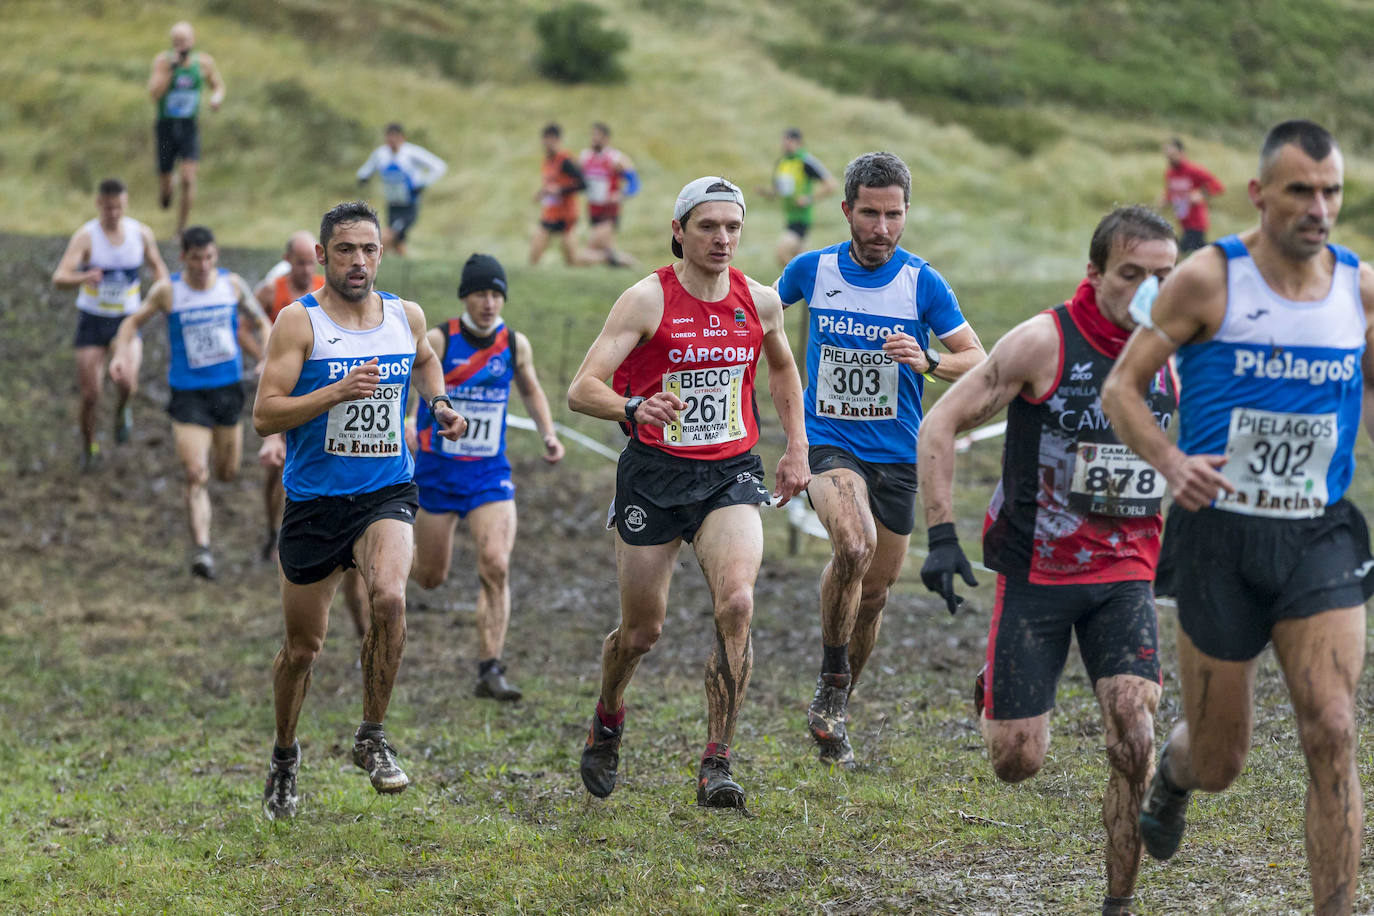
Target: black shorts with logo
[
  {"x": 554, "y": 226},
  {"x": 317, "y": 535},
  {"x": 95, "y": 330},
  {"x": 1028, "y": 640},
  {"x": 210, "y": 407},
  {"x": 400, "y": 217},
  {"x": 177, "y": 138},
  {"x": 891, "y": 487},
  {"x": 1235, "y": 576},
  {"x": 660, "y": 497}
]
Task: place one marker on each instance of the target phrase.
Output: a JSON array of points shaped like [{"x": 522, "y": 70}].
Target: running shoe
[
  {"x": 826, "y": 720},
  {"x": 124, "y": 424},
  {"x": 279, "y": 799},
  {"x": 493, "y": 685},
  {"x": 203, "y": 563},
  {"x": 378, "y": 757},
  {"x": 90, "y": 457},
  {"x": 601, "y": 757},
  {"x": 1161, "y": 813},
  {"x": 715, "y": 787}
]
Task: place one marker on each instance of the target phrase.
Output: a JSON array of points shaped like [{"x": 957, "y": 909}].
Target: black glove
[{"x": 946, "y": 558}]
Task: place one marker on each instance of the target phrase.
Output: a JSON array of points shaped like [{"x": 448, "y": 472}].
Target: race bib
[
  {"x": 856, "y": 384},
  {"x": 1278, "y": 463},
  {"x": 486, "y": 420},
  {"x": 1110, "y": 479},
  {"x": 114, "y": 294},
  {"x": 209, "y": 344},
  {"x": 367, "y": 427},
  {"x": 714, "y": 411},
  {"x": 598, "y": 189},
  {"x": 396, "y": 187},
  {"x": 182, "y": 103}
]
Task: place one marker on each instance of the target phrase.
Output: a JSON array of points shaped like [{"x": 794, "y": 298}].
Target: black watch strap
[
  {"x": 440, "y": 397},
  {"x": 932, "y": 357},
  {"x": 631, "y": 406}
]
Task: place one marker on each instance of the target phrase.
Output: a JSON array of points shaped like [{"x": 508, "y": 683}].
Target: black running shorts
[
  {"x": 1028, "y": 640},
  {"x": 891, "y": 487},
  {"x": 1235, "y": 576},
  {"x": 177, "y": 138},
  {"x": 659, "y": 497},
  {"x": 95, "y": 330},
  {"x": 317, "y": 535},
  {"x": 400, "y": 217},
  {"x": 207, "y": 406}
]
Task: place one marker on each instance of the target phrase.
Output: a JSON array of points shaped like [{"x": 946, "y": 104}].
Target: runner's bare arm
[
  {"x": 214, "y": 79},
  {"x": 1367, "y": 365},
  {"x": 1024, "y": 361},
  {"x": 427, "y": 376},
  {"x": 264, "y": 295},
  {"x": 152, "y": 257},
  {"x": 159, "y": 299},
  {"x": 250, "y": 307},
  {"x": 633, "y": 320},
  {"x": 69, "y": 273},
  {"x": 965, "y": 352},
  {"x": 160, "y": 77},
  {"x": 536, "y": 403},
  {"x": 435, "y": 336},
  {"x": 785, "y": 388},
  {"x": 275, "y": 410},
  {"x": 1191, "y": 304}
]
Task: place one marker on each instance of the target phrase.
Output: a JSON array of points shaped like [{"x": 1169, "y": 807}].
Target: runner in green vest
[
  {"x": 798, "y": 179},
  {"x": 175, "y": 86}
]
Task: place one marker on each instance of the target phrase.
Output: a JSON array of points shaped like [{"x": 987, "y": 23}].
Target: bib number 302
[{"x": 1278, "y": 463}]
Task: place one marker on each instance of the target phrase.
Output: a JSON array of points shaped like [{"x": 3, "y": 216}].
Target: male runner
[
  {"x": 872, "y": 308},
  {"x": 202, "y": 303},
  {"x": 175, "y": 85},
  {"x": 406, "y": 170},
  {"x": 799, "y": 179},
  {"x": 610, "y": 177},
  {"x": 339, "y": 367},
  {"x": 1187, "y": 188},
  {"x": 560, "y": 180},
  {"x": 470, "y": 477},
  {"x": 103, "y": 262},
  {"x": 1073, "y": 529},
  {"x": 1272, "y": 330},
  {"x": 683, "y": 345}
]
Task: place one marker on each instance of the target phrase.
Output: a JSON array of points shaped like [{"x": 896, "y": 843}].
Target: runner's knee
[
  {"x": 1015, "y": 759},
  {"x": 1328, "y": 736},
  {"x": 1132, "y": 750},
  {"x": 388, "y": 602},
  {"x": 1217, "y": 768},
  {"x": 640, "y": 638},
  {"x": 300, "y": 652},
  {"x": 734, "y": 610},
  {"x": 852, "y": 552},
  {"x": 427, "y": 576},
  {"x": 197, "y": 474},
  {"x": 493, "y": 565}
]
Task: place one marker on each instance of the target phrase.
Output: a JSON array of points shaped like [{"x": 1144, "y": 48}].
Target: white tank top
[{"x": 118, "y": 291}]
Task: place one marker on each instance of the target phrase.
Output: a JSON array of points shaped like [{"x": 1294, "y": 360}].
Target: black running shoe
[
  {"x": 493, "y": 685},
  {"x": 279, "y": 799},
  {"x": 378, "y": 757},
  {"x": 1161, "y": 813},
  {"x": 715, "y": 788},
  {"x": 203, "y": 563},
  {"x": 601, "y": 757},
  {"x": 826, "y": 720}
]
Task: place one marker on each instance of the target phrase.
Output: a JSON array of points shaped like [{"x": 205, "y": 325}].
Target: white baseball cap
[{"x": 700, "y": 191}]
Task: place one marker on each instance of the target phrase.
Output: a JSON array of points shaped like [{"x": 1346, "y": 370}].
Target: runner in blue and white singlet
[
  {"x": 202, "y": 333},
  {"x": 873, "y": 307},
  {"x": 1272, "y": 331}
]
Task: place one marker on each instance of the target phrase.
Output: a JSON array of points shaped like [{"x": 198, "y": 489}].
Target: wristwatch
[
  {"x": 437, "y": 398},
  {"x": 631, "y": 406},
  {"x": 933, "y": 358}
]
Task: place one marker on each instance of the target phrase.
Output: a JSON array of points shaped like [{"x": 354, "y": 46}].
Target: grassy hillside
[{"x": 1087, "y": 90}]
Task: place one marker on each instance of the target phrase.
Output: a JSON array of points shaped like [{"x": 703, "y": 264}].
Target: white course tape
[{"x": 571, "y": 435}]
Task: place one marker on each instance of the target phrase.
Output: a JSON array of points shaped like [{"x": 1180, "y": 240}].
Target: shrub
[{"x": 575, "y": 48}]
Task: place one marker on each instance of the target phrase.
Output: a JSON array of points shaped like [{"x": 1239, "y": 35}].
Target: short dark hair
[
  {"x": 1128, "y": 224},
  {"x": 1176, "y": 143},
  {"x": 353, "y": 211},
  {"x": 793, "y": 133},
  {"x": 551, "y": 129},
  {"x": 395, "y": 128},
  {"x": 1315, "y": 140},
  {"x": 110, "y": 187},
  {"x": 601, "y": 126},
  {"x": 196, "y": 237},
  {"x": 876, "y": 170}
]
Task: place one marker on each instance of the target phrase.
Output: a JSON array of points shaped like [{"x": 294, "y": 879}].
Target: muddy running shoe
[
  {"x": 279, "y": 799},
  {"x": 203, "y": 563},
  {"x": 980, "y": 690},
  {"x": 492, "y": 684},
  {"x": 90, "y": 458},
  {"x": 124, "y": 424},
  {"x": 1161, "y": 813},
  {"x": 601, "y": 757},
  {"x": 715, "y": 788},
  {"x": 826, "y": 720},
  {"x": 378, "y": 758}
]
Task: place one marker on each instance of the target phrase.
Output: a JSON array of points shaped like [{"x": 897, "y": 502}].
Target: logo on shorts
[
  {"x": 742, "y": 476},
  {"x": 635, "y": 518}
]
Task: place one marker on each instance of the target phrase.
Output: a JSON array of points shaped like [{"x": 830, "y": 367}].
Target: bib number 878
[{"x": 1117, "y": 481}]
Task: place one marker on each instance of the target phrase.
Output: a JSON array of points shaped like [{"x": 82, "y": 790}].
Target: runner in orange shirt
[{"x": 561, "y": 180}]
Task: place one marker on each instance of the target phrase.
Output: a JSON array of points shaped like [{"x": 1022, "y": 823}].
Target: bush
[{"x": 574, "y": 48}]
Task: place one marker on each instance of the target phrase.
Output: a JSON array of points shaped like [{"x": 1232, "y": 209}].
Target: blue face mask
[{"x": 1143, "y": 302}]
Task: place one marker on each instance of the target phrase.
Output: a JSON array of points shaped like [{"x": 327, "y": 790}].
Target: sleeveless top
[
  {"x": 117, "y": 293},
  {"x": 559, "y": 207},
  {"x": 478, "y": 372},
  {"x": 601, "y": 172},
  {"x": 357, "y": 446},
  {"x": 1278, "y": 390},
  {"x": 706, "y": 354},
  {"x": 182, "y": 98},
  {"x": 1074, "y": 504},
  {"x": 203, "y": 329}
]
